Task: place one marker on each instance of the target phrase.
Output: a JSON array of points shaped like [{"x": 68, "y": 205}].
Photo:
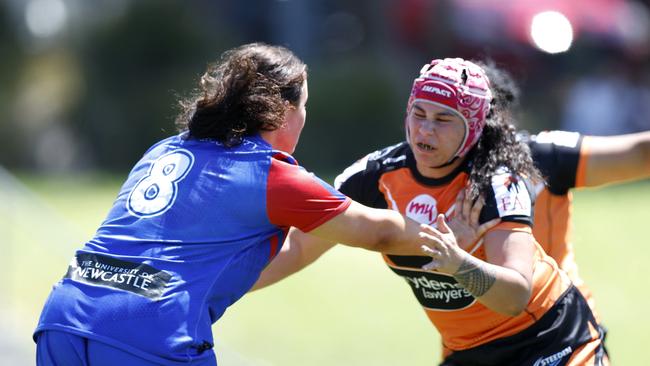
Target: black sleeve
[
  {"x": 360, "y": 182},
  {"x": 557, "y": 154},
  {"x": 510, "y": 199}
]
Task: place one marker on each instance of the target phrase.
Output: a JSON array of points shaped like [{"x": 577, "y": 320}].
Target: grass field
[{"x": 347, "y": 308}]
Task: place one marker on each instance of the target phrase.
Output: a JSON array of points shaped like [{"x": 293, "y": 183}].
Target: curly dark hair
[
  {"x": 243, "y": 93},
  {"x": 498, "y": 146}
]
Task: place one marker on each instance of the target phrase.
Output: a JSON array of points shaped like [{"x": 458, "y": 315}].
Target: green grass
[
  {"x": 347, "y": 308},
  {"x": 613, "y": 252}
]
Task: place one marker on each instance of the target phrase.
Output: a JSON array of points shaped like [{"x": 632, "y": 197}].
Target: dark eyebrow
[
  {"x": 419, "y": 109},
  {"x": 446, "y": 114}
]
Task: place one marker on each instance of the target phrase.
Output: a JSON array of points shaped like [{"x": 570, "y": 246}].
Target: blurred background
[{"x": 87, "y": 86}]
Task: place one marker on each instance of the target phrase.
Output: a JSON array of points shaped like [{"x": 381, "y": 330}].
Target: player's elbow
[
  {"x": 384, "y": 233},
  {"x": 394, "y": 237},
  {"x": 384, "y": 244},
  {"x": 517, "y": 302},
  {"x": 514, "y": 308},
  {"x": 379, "y": 239}
]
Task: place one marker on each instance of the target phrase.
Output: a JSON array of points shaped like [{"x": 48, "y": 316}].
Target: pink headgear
[{"x": 460, "y": 85}]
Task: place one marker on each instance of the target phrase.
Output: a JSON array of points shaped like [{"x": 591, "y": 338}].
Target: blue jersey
[{"x": 189, "y": 233}]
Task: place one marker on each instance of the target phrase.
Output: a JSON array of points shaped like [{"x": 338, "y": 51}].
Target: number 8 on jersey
[{"x": 156, "y": 192}]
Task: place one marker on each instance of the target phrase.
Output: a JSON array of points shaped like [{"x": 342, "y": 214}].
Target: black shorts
[{"x": 549, "y": 341}]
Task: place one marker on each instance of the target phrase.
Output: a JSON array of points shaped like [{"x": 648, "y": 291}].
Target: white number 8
[{"x": 156, "y": 192}]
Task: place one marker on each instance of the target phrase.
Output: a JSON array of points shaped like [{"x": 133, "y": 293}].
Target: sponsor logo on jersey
[
  {"x": 553, "y": 359},
  {"x": 422, "y": 209},
  {"x": 436, "y": 90},
  {"x": 436, "y": 291},
  {"x": 511, "y": 195},
  {"x": 509, "y": 181},
  {"x": 101, "y": 270}
]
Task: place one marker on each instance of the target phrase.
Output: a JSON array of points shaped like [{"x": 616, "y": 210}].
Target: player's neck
[{"x": 438, "y": 172}]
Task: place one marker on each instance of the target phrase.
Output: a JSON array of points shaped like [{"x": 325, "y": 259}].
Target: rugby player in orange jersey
[
  {"x": 502, "y": 301},
  {"x": 570, "y": 160}
]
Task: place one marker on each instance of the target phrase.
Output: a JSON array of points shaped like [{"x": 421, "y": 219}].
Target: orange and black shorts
[{"x": 567, "y": 332}]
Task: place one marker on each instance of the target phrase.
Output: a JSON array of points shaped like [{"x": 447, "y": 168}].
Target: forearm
[
  {"x": 283, "y": 265},
  {"x": 298, "y": 251},
  {"x": 398, "y": 235},
  {"x": 617, "y": 159},
  {"x": 501, "y": 289},
  {"x": 378, "y": 230}
]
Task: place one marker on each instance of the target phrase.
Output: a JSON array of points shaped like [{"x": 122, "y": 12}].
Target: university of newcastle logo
[{"x": 101, "y": 270}]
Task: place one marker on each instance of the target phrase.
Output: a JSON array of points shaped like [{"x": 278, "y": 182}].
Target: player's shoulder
[
  {"x": 285, "y": 168},
  {"x": 164, "y": 145},
  {"x": 511, "y": 194},
  {"x": 557, "y": 155},
  {"x": 283, "y": 157},
  {"x": 566, "y": 139},
  {"x": 504, "y": 178},
  {"x": 390, "y": 155},
  {"x": 374, "y": 163}
]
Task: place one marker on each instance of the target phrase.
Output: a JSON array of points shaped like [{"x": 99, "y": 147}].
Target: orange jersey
[
  {"x": 389, "y": 179},
  {"x": 561, "y": 157}
]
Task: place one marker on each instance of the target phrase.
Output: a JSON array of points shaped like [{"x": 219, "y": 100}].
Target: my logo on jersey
[
  {"x": 553, "y": 359},
  {"x": 422, "y": 209}
]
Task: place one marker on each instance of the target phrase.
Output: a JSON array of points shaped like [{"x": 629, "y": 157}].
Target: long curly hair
[
  {"x": 245, "y": 92},
  {"x": 498, "y": 146}
]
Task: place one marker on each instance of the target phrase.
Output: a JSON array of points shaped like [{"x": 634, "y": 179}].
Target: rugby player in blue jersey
[{"x": 199, "y": 217}]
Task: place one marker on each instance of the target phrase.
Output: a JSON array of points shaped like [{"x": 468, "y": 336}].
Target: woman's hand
[
  {"x": 502, "y": 282},
  {"x": 465, "y": 225},
  {"x": 440, "y": 244}
]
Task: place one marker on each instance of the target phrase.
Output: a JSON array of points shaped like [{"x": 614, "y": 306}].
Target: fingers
[
  {"x": 467, "y": 205},
  {"x": 460, "y": 200},
  {"x": 435, "y": 254},
  {"x": 429, "y": 229},
  {"x": 433, "y": 265},
  {"x": 476, "y": 211},
  {"x": 430, "y": 252},
  {"x": 487, "y": 226},
  {"x": 430, "y": 239},
  {"x": 442, "y": 224}
]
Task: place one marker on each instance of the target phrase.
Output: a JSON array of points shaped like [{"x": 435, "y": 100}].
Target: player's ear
[{"x": 288, "y": 105}]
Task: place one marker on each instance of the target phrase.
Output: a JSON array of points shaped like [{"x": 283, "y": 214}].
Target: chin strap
[{"x": 453, "y": 160}]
